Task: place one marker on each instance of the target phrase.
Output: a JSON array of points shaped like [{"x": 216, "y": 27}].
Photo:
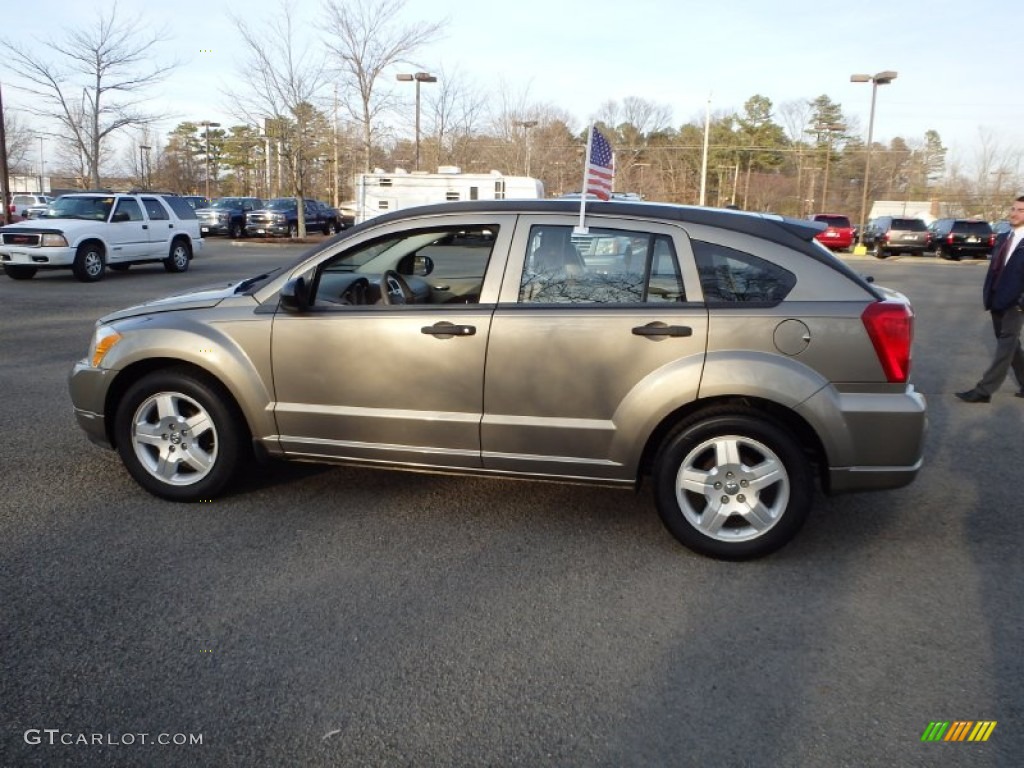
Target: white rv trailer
[{"x": 380, "y": 192}]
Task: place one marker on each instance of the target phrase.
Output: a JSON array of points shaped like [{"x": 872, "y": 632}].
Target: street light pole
[
  {"x": 529, "y": 125},
  {"x": 882, "y": 78},
  {"x": 208, "y": 124},
  {"x": 42, "y": 166},
  {"x": 419, "y": 77},
  {"x": 142, "y": 163}
]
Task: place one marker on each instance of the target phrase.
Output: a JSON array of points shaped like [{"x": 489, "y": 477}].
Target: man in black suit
[{"x": 1003, "y": 296}]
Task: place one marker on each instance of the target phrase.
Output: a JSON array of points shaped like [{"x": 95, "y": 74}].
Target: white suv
[
  {"x": 88, "y": 232},
  {"x": 21, "y": 203}
]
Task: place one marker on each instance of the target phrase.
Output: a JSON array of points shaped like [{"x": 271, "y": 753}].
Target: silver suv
[{"x": 726, "y": 356}]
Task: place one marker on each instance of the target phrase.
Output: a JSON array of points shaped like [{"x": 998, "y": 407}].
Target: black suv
[
  {"x": 226, "y": 216},
  {"x": 896, "y": 234},
  {"x": 953, "y": 238}
]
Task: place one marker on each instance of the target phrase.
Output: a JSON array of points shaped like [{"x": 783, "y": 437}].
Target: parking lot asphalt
[{"x": 333, "y": 616}]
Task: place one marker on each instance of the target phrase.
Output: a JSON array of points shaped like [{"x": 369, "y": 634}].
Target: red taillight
[
  {"x": 890, "y": 325},
  {"x": 949, "y": 238},
  {"x": 885, "y": 237},
  {"x": 991, "y": 241}
]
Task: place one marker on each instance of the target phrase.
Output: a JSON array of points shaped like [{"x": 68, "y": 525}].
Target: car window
[
  {"x": 154, "y": 209},
  {"x": 910, "y": 225},
  {"x": 975, "y": 228},
  {"x": 833, "y": 221},
  {"x": 129, "y": 206},
  {"x": 729, "y": 276},
  {"x": 180, "y": 207},
  {"x": 604, "y": 266},
  {"x": 456, "y": 256}
]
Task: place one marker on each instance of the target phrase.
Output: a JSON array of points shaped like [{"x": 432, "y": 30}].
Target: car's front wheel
[
  {"x": 90, "y": 262},
  {"x": 178, "y": 435},
  {"x": 732, "y": 485},
  {"x": 179, "y": 257},
  {"x": 235, "y": 230},
  {"x": 19, "y": 271}
]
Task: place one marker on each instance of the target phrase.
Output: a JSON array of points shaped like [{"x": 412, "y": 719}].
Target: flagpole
[{"x": 582, "y": 229}]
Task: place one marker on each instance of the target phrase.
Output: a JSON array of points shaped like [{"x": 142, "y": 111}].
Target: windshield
[
  {"x": 834, "y": 221},
  {"x": 912, "y": 225},
  {"x": 88, "y": 208},
  {"x": 225, "y": 202},
  {"x": 281, "y": 203}
]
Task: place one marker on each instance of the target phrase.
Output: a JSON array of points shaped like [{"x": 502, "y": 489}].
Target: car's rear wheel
[
  {"x": 90, "y": 262},
  {"x": 19, "y": 271},
  {"x": 178, "y": 435},
  {"x": 879, "y": 252},
  {"x": 732, "y": 485},
  {"x": 179, "y": 257}
]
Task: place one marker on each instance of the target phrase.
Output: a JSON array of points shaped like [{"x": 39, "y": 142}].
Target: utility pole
[{"x": 5, "y": 188}]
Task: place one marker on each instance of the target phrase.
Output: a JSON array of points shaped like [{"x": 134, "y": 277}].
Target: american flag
[{"x": 601, "y": 168}]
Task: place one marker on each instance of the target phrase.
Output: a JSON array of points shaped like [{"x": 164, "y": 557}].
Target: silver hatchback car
[{"x": 725, "y": 355}]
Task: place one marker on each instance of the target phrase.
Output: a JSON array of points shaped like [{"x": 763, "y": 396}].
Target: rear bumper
[{"x": 872, "y": 441}]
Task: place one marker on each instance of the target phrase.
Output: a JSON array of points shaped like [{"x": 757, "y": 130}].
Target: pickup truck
[
  {"x": 87, "y": 232},
  {"x": 281, "y": 217}
]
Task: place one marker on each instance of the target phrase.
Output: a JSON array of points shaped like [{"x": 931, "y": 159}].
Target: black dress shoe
[{"x": 974, "y": 396}]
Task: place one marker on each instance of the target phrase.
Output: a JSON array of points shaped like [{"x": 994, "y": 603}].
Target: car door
[
  {"x": 161, "y": 228},
  {"x": 128, "y": 232},
  {"x": 585, "y": 341},
  {"x": 362, "y": 380}
]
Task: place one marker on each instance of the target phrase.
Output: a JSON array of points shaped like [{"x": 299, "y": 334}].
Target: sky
[{"x": 579, "y": 54}]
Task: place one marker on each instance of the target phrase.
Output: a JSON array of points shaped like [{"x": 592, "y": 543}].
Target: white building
[{"x": 380, "y": 192}]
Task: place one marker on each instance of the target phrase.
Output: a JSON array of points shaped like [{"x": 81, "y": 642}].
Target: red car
[{"x": 839, "y": 233}]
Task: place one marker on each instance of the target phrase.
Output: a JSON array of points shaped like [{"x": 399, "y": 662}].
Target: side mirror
[
  {"x": 119, "y": 217},
  {"x": 295, "y": 296},
  {"x": 422, "y": 265}
]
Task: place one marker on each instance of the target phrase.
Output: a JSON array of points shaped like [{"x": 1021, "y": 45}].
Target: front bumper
[
  {"x": 37, "y": 257},
  {"x": 89, "y": 388}
]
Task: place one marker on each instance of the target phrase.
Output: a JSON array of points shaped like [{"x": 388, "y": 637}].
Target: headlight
[
  {"x": 103, "y": 340},
  {"x": 54, "y": 241}
]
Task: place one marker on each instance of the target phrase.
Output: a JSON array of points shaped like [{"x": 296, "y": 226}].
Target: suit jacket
[{"x": 1008, "y": 291}]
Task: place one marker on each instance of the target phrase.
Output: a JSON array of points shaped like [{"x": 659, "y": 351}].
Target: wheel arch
[
  {"x": 183, "y": 238},
  {"x": 775, "y": 413},
  {"x": 137, "y": 370}
]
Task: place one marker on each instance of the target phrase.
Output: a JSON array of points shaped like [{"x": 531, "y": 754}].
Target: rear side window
[
  {"x": 181, "y": 207},
  {"x": 730, "y": 277},
  {"x": 604, "y": 266},
  {"x": 154, "y": 209},
  {"x": 130, "y": 207}
]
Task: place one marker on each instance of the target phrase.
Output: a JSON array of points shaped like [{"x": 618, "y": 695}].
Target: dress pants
[{"x": 1007, "y": 326}]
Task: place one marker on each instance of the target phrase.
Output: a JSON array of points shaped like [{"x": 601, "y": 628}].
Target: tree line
[{"x": 311, "y": 117}]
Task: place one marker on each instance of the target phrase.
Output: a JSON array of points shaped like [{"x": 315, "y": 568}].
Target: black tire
[
  {"x": 330, "y": 228},
  {"x": 90, "y": 262},
  {"x": 760, "y": 453},
  {"x": 155, "y": 446},
  {"x": 20, "y": 271},
  {"x": 878, "y": 251},
  {"x": 235, "y": 230},
  {"x": 119, "y": 267},
  {"x": 179, "y": 258},
  {"x": 293, "y": 231}
]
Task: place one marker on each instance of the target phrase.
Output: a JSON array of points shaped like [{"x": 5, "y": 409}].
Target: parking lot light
[{"x": 882, "y": 78}]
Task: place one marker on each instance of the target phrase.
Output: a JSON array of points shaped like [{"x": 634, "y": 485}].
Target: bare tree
[
  {"x": 287, "y": 77},
  {"x": 19, "y": 143},
  {"x": 366, "y": 39},
  {"x": 91, "y": 81}
]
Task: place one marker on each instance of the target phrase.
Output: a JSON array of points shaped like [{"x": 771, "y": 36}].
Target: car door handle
[
  {"x": 660, "y": 329},
  {"x": 145, "y": 226},
  {"x": 448, "y": 330}
]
